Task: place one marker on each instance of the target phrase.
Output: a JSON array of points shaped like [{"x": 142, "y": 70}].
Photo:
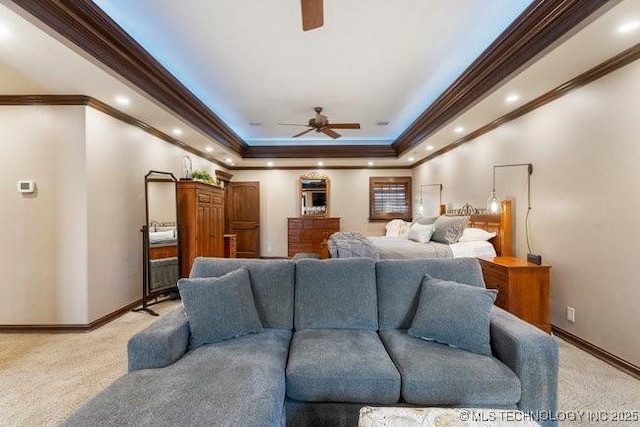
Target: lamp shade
[{"x": 493, "y": 204}]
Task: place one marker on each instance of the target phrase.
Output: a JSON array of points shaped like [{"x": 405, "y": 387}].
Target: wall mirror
[
  {"x": 314, "y": 194},
  {"x": 161, "y": 239}
]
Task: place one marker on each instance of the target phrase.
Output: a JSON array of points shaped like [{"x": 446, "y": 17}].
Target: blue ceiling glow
[{"x": 132, "y": 16}]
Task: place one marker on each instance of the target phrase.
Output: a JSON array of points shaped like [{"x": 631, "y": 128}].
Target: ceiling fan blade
[
  {"x": 291, "y": 124},
  {"x": 332, "y": 134},
  {"x": 302, "y": 133},
  {"x": 343, "y": 125},
  {"x": 312, "y": 14}
]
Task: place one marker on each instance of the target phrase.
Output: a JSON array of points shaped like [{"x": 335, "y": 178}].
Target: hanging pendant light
[{"x": 493, "y": 204}]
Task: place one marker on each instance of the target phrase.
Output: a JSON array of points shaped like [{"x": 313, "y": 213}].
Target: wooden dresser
[
  {"x": 201, "y": 218},
  {"x": 307, "y": 235},
  {"x": 523, "y": 288}
]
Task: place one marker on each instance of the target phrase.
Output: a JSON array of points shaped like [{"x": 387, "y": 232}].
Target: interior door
[{"x": 243, "y": 211}]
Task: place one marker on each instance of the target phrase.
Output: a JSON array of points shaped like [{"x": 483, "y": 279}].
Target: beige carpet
[{"x": 45, "y": 377}]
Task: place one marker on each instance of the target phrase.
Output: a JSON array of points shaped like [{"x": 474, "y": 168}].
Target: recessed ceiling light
[
  {"x": 459, "y": 129},
  {"x": 320, "y": 163},
  {"x": 512, "y": 98},
  {"x": 255, "y": 124},
  {"x": 209, "y": 149},
  {"x": 229, "y": 160},
  {"x": 270, "y": 164},
  {"x": 370, "y": 163},
  {"x": 382, "y": 123},
  {"x": 4, "y": 32},
  {"x": 122, "y": 100},
  {"x": 429, "y": 148},
  {"x": 628, "y": 27},
  {"x": 411, "y": 159},
  {"x": 177, "y": 132}
]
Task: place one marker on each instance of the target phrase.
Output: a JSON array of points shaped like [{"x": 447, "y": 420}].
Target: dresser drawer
[
  {"x": 203, "y": 197},
  {"x": 330, "y": 224},
  {"x": 295, "y": 224},
  {"x": 501, "y": 286},
  {"x": 296, "y": 248}
]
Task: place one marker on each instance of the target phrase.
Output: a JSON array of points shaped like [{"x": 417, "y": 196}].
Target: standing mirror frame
[
  {"x": 160, "y": 240},
  {"x": 314, "y": 191}
]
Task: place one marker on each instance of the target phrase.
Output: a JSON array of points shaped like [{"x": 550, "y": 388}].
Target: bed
[{"x": 400, "y": 247}]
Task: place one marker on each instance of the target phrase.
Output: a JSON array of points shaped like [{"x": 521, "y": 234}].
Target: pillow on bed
[
  {"x": 476, "y": 235},
  {"x": 449, "y": 229},
  {"x": 425, "y": 220},
  {"x": 454, "y": 314},
  {"x": 420, "y": 233}
]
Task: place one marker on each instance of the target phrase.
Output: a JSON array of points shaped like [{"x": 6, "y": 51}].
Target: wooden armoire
[{"x": 201, "y": 219}]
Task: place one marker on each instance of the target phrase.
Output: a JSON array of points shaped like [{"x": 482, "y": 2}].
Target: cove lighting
[
  {"x": 628, "y": 27},
  {"x": 459, "y": 129},
  {"x": 209, "y": 149}
]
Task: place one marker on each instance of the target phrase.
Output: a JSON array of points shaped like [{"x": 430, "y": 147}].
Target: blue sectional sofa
[{"x": 334, "y": 339}]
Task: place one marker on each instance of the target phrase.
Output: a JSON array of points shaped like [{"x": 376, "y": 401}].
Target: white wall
[
  {"x": 118, "y": 158},
  {"x": 72, "y": 252},
  {"x": 585, "y": 149},
  {"x": 43, "y": 257},
  {"x": 279, "y": 200}
]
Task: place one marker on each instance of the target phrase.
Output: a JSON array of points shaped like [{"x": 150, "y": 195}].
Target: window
[{"x": 389, "y": 198}]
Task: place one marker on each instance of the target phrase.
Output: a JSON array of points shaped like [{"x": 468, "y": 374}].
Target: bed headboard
[{"x": 499, "y": 223}]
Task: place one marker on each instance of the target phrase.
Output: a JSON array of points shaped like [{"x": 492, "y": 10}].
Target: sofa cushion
[
  {"x": 436, "y": 374},
  {"x": 399, "y": 284},
  {"x": 271, "y": 284},
  {"x": 454, "y": 314},
  {"x": 232, "y": 382},
  {"x": 333, "y": 365},
  {"x": 219, "y": 308},
  {"x": 336, "y": 294}
]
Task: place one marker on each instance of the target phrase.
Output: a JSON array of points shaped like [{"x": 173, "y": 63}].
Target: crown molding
[
  {"x": 541, "y": 25},
  {"x": 87, "y": 26},
  {"x": 610, "y": 65},
  {"x": 83, "y": 100}
]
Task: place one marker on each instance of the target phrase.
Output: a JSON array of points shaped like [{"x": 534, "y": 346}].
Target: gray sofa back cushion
[
  {"x": 399, "y": 285},
  {"x": 336, "y": 294},
  {"x": 271, "y": 284}
]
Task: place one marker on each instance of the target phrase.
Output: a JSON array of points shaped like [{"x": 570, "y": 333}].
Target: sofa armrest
[
  {"x": 532, "y": 355},
  {"x": 160, "y": 344}
]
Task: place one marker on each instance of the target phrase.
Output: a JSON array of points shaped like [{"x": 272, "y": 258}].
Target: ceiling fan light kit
[{"x": 321, "y": 124}]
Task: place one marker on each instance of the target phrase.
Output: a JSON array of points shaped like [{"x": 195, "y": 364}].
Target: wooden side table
[
  {"x": 523, "y": 288},
  {"x": 229, "y": 245}
]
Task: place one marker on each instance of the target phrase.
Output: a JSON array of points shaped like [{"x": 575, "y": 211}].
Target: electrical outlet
[
  {"x": 270, "y": 249},
  {"x": 571, "y": 314}
]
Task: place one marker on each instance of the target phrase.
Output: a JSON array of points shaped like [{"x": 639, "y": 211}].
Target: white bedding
[
  {"x": 473, "y": 250},
  {"x": 402, "y": 248}
]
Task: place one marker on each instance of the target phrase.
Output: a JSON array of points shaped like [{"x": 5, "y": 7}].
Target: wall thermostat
[{"x": 26, "y": 186}]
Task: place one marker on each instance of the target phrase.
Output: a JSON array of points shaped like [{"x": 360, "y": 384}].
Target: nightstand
[{"x": 523, "y": 288}]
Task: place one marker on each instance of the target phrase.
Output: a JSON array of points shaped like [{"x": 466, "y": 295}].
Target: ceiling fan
[
  {"x": 312, "y": 14},
  {"x": 320, "y": 123}
]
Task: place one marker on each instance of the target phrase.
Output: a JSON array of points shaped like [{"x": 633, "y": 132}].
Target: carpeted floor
[{"x": 45, "y": 377}]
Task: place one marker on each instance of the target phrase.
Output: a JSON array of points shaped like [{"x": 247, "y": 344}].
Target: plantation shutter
[{"x": 389, "y": 198}]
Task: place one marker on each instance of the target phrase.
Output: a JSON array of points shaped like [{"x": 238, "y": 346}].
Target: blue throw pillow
[
  {"x": 455, "y": 314},
  {"x": 219, "y": 308}
]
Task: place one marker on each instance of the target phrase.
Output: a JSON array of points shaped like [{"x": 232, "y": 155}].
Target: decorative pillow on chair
[
  {"x": 449, "y": 229},
  {"x": 420, "y": 233},
  {"x": 219, "y": 308},
  {"x": 455, "y": 314}
]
